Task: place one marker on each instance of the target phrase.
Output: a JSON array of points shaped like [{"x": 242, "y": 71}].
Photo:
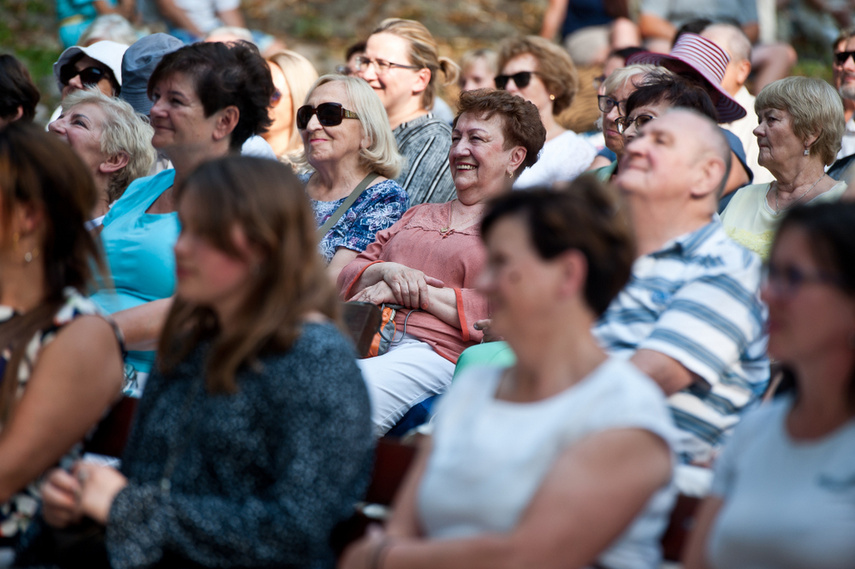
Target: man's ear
[
  {"x": 743, "y": 70},
  {"x": 226, "y": 122},
  {"x": 114, "y": 163},
  {"x": 711, "y": 174}
]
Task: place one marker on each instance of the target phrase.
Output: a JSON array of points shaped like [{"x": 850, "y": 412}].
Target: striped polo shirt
[{"x": 697, "y": 301}]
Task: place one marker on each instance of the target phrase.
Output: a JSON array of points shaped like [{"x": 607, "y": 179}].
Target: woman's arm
[
  {"x": 589, "y": 497},
  {"x": 694, "y": 553},
  {"x": 141, "y": 325},
  {"x": 342, "y": 257},
  {"x": 76, "y": 377}
]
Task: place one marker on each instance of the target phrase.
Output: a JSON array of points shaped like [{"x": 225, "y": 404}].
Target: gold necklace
[{"x": 778, "y": 210}]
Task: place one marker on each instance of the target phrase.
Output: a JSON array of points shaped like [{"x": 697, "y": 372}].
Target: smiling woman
[
  {"x": 429, "y": 260},
  {"x": 208, "y": 99},
  {"x": 349, "y": 145}
]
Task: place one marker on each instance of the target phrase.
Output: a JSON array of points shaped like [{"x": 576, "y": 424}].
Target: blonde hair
[
  {"x": 423, "y": 53},
  {"x": 555, "y": 67},
  {"x": 299, "y": 74},
  {"x": 266, "y": 201},
  {"x": 381, "y": 155},
  {"x": 124, "y": 132}
]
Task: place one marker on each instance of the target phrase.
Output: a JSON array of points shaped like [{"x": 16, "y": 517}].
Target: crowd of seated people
[{"x": 595, "y": 343}]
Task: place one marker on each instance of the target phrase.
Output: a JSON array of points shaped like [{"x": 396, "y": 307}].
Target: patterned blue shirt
[
  {"x": 696, "y": 300},
  {"x": 379, "y": 207}
]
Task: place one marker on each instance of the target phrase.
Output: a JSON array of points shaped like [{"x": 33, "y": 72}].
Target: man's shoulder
[{"x": 426, "y": 126}]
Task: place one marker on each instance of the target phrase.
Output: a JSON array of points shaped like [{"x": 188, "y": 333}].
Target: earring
[
  {"x": 807, "y": 151},
  {"x": 510, "y": 175},
  {"x": 551, "y": 97},
  {"x": 29, "y": 255}
]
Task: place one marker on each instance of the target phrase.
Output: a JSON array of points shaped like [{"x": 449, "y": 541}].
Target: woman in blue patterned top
[
  {"x": 343, "y": 153},
  {"x": 60, "y": 361},
  {"x": 253, "y": 437}
]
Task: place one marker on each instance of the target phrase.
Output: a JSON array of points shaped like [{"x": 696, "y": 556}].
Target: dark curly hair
[
  {"x": 521, "y": 124},
  {"x": 582, "y": 215},
  {"x": 16, "y": 90},
  {"x": 224, "y": 75}
]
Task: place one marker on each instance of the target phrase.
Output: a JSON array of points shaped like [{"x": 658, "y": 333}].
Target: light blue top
[
  {"x": 138, "y": 248},
  {"x": 788, "y": 503}
]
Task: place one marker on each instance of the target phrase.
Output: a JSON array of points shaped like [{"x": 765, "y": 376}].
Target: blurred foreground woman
[
  {"x": 562, "y": 460},
  {"x": 253, "y": 437}
]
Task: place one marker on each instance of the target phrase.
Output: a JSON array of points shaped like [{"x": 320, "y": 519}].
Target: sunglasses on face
[
  {"x": 623, "y": 123},
  {"x": 88, "y": 75},
  {"x": 841, "y": 57},
  {"x": 329, "y": 114},
  {"x": 606, "y": 103},
  {"x": 521, "y": 79}
]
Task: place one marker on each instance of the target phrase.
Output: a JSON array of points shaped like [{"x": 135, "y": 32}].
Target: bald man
[
  {"x": 737, "y": 45},
  {"x": 690, "y": 317}
]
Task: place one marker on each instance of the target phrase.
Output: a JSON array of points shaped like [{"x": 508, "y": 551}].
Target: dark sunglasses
[
  {"x": 623, "y": 123},
  {"x": 841, "y": 57},
  {"x": 329, "y": 114},
  {"x": 88, "y": 75},
  {"x": 521, "y": 79}
]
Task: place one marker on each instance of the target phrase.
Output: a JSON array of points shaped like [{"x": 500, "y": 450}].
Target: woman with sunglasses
[
  {"x": 293, "y": 75},
  {"x": 801, "y": 125},
  {"x": 351, "y": 150},
  {"x": 539, "y": 71},
  {"x": 401, "y": 63},
  {"x": 428, "y": 261},
  {"x": 783, "y": 490},
  {"x": 208, "y": 99}
]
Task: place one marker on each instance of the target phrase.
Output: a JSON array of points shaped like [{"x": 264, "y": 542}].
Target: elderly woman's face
[
  {"x": 178, "y": 116},
  {"x": 809, "y": 315},
  {"x": 614, "y": 139},
  {"x": 81, "y": 127},
  {"x": 327, "y": 145},
  {"x": 776, "y": 139},
  {"x": 478, "y": 159},
  {"x": 534, "y": 90}
]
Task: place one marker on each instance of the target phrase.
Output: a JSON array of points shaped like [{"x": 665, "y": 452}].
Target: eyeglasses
[
  {"x": 329, "y": 114},
  {"x": 623, "y": 123},
  {"x": 521, "y": 79},
  {"x": 786, "y": 282},
  {"x": 276, "y": 97},
  {"x": 381, "y": 65},
  {"x": 88, "y": 75},
  {"x": 606, "y": 103},
  {"x": 841, "y": 57}
]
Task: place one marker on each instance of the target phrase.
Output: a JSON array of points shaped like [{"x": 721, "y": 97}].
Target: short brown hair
[
  {"x": 521, "y": 124},
  {"x": 582, "y": 215},
  {"x": 555, "y": 67}
]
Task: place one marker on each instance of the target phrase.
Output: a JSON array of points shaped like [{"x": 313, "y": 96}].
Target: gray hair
[
  {"x": 620, "y": 76},
  {"x": 123, "y": 131},
  {"x": 381, "y": 155},
  {"x": 816, "y": 109}
]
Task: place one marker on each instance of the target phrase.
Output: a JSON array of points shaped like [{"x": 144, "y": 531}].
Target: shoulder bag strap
[{"x": 357, "y": 191}]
